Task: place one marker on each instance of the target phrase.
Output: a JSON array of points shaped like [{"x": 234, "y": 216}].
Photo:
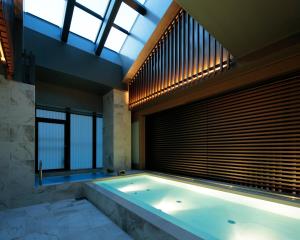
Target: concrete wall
[
  {"x": 116, "y": 130},
  {"x": 52, "y": 54},
  {"x": 58, "y": 96}
]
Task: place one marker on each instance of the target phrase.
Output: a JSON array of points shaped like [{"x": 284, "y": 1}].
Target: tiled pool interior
[{"x": 209, "y": 213}]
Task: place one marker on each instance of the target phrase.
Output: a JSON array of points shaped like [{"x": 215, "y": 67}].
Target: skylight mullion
[
  {"x": 137, "y": 6},
  {"x": 109, "y": 17},
  {"x": 121, "y": 29},
  {"x": 67, "y": 20},
  {"x": 82, "y": 7}
]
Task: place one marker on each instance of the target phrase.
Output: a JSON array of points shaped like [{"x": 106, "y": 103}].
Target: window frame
[{"x": 67, "y": 127}]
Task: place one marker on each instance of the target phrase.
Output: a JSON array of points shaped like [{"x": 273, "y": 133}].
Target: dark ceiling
[{"x": 244, "y": 27}]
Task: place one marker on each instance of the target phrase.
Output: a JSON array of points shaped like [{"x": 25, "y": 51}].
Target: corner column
[{"x": 116, "y": 131}]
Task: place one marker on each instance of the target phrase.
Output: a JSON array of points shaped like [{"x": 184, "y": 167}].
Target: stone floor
[{"x": 63, "y": 220}]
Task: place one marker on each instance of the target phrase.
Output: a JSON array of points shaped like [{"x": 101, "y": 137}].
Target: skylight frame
[{"x": 71, "y": 5}]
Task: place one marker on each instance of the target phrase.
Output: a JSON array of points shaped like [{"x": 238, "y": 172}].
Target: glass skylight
[
  {"x": 98, "y": 6},
  {"x": 52, "y": 11},
  {"x": 115, "y": 39},
  {"x": 126, "y": 17},
  {"x": 84, "y": 24}
]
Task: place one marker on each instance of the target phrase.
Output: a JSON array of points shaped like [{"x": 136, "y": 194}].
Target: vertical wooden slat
[
  {"x": 228, "y": 59},
  {"x": 209, "y": 51},
  {"x": 221, "y": 57},
  {"x": 151, "y": 75},
  {"x": 169, "y": 59},
  {"x": 159, "y": 67},
  {"x": 155, "y": 71},
  {"x": 178, "y": 50},
  {"x": 188, "y": 60},
  {"x": 192, "y": 47},
  {"x": 215, "y": 55},
  {"x": 198, "y": 50},
  {"x": 203, "y": 52},
  {"x": 147, "y": 78},
  {"x": 173, "y": 54},
  {"x": 186, "y": 52}
]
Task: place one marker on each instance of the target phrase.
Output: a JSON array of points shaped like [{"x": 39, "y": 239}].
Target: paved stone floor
[{"x": 63, "y": 220}]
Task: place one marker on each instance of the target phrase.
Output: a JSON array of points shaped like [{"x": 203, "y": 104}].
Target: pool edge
[{"x": 133, "y": 219}]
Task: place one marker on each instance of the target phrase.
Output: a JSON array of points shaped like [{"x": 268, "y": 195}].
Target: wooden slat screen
[
  {"x": 185, "y": 53},
  {"x": 249, "y": 137}
]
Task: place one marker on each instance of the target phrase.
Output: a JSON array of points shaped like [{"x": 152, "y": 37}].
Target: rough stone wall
[
  {"x": 117, "y": 131},
  {"x": 17, "y": 112},
  {"x": 17, "y": 150}
]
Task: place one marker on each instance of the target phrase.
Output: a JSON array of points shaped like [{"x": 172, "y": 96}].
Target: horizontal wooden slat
[{"x": 249, "y": 137}]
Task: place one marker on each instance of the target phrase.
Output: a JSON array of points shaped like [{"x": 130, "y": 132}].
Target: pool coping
[{"x": 157, "y": 227}]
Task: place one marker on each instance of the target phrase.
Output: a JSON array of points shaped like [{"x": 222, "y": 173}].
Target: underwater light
[
  {"x": 253, "y": 232},
  {"x": 133, "y": 188}
]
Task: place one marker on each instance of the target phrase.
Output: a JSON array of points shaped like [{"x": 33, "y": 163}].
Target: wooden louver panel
[
  {"x": 249, "y": 137},
  {"x": 185, "y": 53}
]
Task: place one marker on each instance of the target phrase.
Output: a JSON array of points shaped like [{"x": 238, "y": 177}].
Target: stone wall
[
  {"x": 135, "y": 142},
  {"x": 17, "y": 112},
  {"x": 17, "y": 150},
  {"x": 117, "y": 131}
]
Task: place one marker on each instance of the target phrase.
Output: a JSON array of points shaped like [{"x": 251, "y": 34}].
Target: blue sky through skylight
[
  {"x": 84, "y": 24},
  {"x": 115, "y": 39},
  {"x": 52, "y": 11},
  {"x": 125, "y": 18}
]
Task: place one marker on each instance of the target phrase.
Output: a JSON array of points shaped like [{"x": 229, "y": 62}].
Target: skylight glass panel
[
  {"x": 98, "y": 6},
  {"x": 52, "y": 11},
  {"x": 126, "y": 17},
  {"x": 115, "y": 39},
  {"x": 84, "y": 24}
]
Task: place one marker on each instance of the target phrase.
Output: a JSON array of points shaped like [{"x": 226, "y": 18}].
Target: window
[
  {"x": 52, "y": 11},
  {"x": 84, "y": 24},
  {"x": 50, "y": 114},
  {"x": 99, "y": 143},
  {"x": 81, "y": 142},
  {"x": 51, "y": 145},
  {"x": 68, "y": 141}
]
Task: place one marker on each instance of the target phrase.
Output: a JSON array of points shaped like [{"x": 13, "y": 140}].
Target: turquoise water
[{"x": 209, "y": 213}]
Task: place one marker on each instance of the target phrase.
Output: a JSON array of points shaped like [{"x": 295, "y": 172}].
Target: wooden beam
[
  {"x": 156, "y": 35},
  {"x": 68, "y": 20},
  {"x": 136, "y": 6},
  {"x": 107, "y": 24}
]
